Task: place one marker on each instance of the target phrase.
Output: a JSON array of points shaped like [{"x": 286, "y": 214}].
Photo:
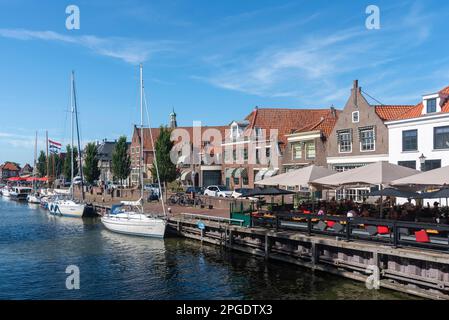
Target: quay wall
[{"x": 422, "y": 273}]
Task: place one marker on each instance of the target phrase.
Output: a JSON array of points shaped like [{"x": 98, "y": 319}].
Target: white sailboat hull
[
  {"x": 67, "y": 208},
  {"x": 6, "y": 193},
  {"x": 33, "y": 199},
  {"x": 135, "y": 224}
]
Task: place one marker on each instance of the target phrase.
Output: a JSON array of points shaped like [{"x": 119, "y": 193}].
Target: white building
[{"x": 420, "y": 139}]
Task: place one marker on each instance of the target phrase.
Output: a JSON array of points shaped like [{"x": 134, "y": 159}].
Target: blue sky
[{"x": 211, "y": 60}]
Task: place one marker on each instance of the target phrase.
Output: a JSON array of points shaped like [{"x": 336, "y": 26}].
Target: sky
[{"x": 210, "y": 61}]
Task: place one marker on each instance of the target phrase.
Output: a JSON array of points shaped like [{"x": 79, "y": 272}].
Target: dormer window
[{"x": 431, "y": 105}]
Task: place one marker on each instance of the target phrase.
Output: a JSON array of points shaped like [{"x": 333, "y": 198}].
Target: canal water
[{"x": 36, "y": 248}]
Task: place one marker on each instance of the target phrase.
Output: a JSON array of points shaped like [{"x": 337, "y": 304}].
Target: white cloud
[{"x": 129, "y": 50}]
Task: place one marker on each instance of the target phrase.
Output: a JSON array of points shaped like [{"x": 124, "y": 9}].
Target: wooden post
[
  {"x": 314, "y": 254},
  {"x": 267, "y": 246}
]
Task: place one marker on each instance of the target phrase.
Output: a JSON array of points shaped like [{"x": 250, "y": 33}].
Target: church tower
[{"x": 173, "y": 123}]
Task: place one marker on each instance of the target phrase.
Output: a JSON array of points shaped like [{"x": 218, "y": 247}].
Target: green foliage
[
  {"x": 167, "y": 169},
  {"x": 55, "y": 164},
  {"x": 42, "y": 164},
  {"x": 67, "y": 166},
  {"x": 90, "y": 169},
  {"x": 121, "y": 161}
]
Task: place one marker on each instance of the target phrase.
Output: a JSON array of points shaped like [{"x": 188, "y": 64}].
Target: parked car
[
  {"x": 241, "y": 193},
  {"x": 195, "y": 190},
  {"x": 152, "y": 187},
  {"x": 77, "y": 180},
  {"x": 218, "y": 191}
]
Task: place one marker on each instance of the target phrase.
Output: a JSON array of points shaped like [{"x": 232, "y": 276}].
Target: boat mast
[
  {"x": 141, "y": 134},
  {"x": 34, "y": 167},
  {"x": 72, "y": 167},
  {"x": 78, "y": 136}
]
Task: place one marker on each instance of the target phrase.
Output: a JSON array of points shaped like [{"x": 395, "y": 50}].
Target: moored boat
[
  {"x": 135, "y": 221},
  {"x": 66, "y": 207},
  {"x": 20, "y": 193}
]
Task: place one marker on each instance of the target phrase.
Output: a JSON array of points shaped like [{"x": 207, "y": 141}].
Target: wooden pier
[{"x": 423, "y": 273}]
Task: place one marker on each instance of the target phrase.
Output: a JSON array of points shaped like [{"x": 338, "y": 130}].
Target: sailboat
[
  {"x": 134, "y": 221},
  {"x": 34, "y": 197},
  {"x": 70, "y": 207}
]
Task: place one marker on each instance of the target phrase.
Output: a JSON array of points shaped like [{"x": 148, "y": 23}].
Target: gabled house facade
[
  {"x": 419, "y": 138},
  {"x": 256, "y": 148},
  {"x": 360, "y": 137},
  {"x": 9, "y": 170},
  {"x": 26, "y": 170},
  {"x": 194, "y": 168},
  {"x": 308, "y": 145}
]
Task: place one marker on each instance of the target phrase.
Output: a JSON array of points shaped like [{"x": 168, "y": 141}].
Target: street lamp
[{"x": 422, "y": 160}]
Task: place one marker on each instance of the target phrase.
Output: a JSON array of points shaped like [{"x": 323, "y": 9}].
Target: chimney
[
  {"x": 333, "y": 112},
  {"x": 356, "y": 91}
]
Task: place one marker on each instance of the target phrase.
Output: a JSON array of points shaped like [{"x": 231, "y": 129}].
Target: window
[
  {"x": 410, "y": 140},
  {"x": 234, "y": 132},
  {"x": 431, "y": 164},
  {"x": 441, "y": 137},
  {"x": 310, "y": 150},
  {"x": 267, "y": 153},
  {"x": 367, "y": 140},
  {"x": 296, "y": 151},
  {"x": 355, "y": 117},
  {"x": 345, "y": 141},
  {"x": 236, "y": 181},
  {"x": 408, "y": 164},
  {"x": 431, "y": 105}
]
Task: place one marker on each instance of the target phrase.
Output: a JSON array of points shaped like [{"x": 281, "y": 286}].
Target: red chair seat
[
  {"x": 383, "y": 230},
  {"x": 422, "y": 236},
  {"x": 307, "y": 212},
  {"x": 330, "y": 224}
]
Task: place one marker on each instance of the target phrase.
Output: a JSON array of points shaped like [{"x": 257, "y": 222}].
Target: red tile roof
[
  {"x": 286, "y": 121},
  {"x": 392, "y": 112},
  {"x": 9, "y": 166},
  {"x": 325, "y": 124}
]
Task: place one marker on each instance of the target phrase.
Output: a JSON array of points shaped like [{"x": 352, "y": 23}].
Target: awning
[
  {"x": 270, "y": 173},
  {"x": 240, "y": 172},
  {"x": 260, "y": 174},
  {"x": 16, "y": 179},
  {"x": 186, "y": 175},
  {"x": 230, "y": 172}
]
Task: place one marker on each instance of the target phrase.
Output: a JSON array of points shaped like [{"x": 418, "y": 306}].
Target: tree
[
  {"x": 42, "y": 164},
  {"x": 90, "y": 169},
  {"x": 121, "y": 161},
  {"x": 67, "y": 167},
  {"x": 167, "y": 169}
]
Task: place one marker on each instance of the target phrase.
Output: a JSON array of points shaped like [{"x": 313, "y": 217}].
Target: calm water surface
[{"x": 36, "y": 248}]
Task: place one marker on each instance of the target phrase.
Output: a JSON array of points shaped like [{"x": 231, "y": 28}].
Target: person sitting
[
  {"x": 365, "y": 212},
  {"x": 351, "y": 214},
  {"x": 321, "y": 212}
]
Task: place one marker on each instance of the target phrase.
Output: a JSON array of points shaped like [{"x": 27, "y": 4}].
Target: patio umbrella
[
  {"x": 269, "y": 191},
  {"x": 391, "y": 192},
  {"x": 297, "y": 178},
  {"x": 436, "y": 177},
  {"x": 378, "y": 173},
  {"x": 16, "y": 179}
]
